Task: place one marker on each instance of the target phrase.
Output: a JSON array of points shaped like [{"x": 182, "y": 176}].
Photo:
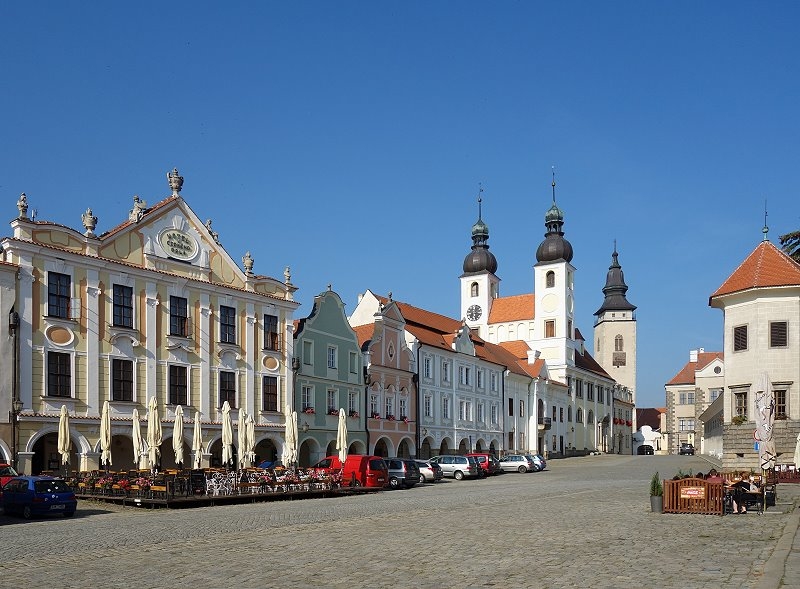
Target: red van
[{"x": 358, "y": 471}]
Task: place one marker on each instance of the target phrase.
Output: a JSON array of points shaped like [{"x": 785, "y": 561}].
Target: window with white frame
[
  {"x": 307, "y": 397},
  {"x": 479, "y": 378},
  {"x": 121, "y": 379},
  {"x": 269, "y": 386},
  {"x": 59, "y": 374},
  {"x": 445, "y": 407},
  {"x": 464, "y": 375},
  {"x": 426, "y": 366},
  {"x": 179, "y": 385},
  {"x": 481, "y": 412},
  {"x": 373, "y": 405},
  {"x": 122, "y": 315},
  {"x": 494, "y": 414},
  {"x": 227, "y": 388},
  {"x": 308, "y": 353},
  {"x": 403, "y": 406},
  {"x": 352, "y": 403},
  {"x": 494, "y": 382},
  {"x": 389, "y": 407},
  {"x": 331, "y": 356},
  {"x": 740, "y": 403},
  {"x": 428, "y": 406},
  {"x": 227, "y": 324},
  {"x": 59, "y": 291},
  {"x": 331, "y": 399},
  {"x": 686, "y": 398},
  {"x": 465, "y": 410},
  {"x": 780, "y": 404},
  {"x": 178, "y": 316},
  {"x": 272, "y": 340},
  {"x": 590, "y": 391},
  {"x": 686, "y": 424},
  {"x": 353, "y": 363},
  {"x": 445, "y": 371},
  {"x": 713, "y": 394}
]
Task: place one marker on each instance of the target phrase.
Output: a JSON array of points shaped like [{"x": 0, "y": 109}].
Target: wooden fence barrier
[{"x": 693, "y": 496}]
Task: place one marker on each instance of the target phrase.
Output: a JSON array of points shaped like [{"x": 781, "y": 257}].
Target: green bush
[{"x": 656, "y": 488}]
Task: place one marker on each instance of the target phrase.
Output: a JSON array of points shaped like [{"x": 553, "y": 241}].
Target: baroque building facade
[
  {"x": 760, "y": 302},
  {"x": 152, "y": 308}
]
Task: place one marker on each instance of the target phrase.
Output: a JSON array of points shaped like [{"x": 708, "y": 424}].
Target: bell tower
[
  {"x": 479, "y": 284},
  {"x": 615, "y": 329}
]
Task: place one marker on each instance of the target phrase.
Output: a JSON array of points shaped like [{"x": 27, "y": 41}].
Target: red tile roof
[
  {"x": 364, "y": 333},
  {"x": 513, "y": 308},
  {"x": 766, "y": 266},
  {"x": 686, "y": 374}
]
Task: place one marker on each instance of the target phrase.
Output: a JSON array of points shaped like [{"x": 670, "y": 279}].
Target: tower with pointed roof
[
  {"x": 479, "y": 283},
  {"x": 554, "y": 292},
  {"x": 615, "y": 328}
]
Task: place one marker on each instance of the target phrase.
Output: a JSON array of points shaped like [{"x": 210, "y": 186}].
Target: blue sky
[{"x": 347, "y": 140}]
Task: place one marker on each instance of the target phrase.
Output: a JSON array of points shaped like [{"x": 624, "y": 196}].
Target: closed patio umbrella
[
  {"x": 289, "y": 455},
  {"x": 64, "y": 443},
  {"x": 137, "y": 438},
  {"x": 153, "y": 433},
  {"x": 227, "y": 435},
  {"x": 241, "y": 437},
  {"x": 177, "y": 436},
  {"x": 765, "y": 420},
  {"x": 341, "y": 436},
  {"x": 105, "y": 435},
  {"x": 797, "y": 452},
  {"x": 250, "y": 441},
  {"x": 197, "y": 441}
]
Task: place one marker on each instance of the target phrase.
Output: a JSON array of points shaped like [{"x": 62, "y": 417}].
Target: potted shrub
[{"x": 656, "y": 494}]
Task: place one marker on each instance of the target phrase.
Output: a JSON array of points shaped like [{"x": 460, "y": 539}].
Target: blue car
[{"x": 30, "y": 496}]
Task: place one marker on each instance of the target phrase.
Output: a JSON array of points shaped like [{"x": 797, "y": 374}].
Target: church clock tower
[
  {"x": 615, "y": 329},
  {"x": 479, "y": 284}
]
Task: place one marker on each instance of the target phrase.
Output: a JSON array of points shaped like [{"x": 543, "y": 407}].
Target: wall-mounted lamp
[{"x": 13, "y": 321}]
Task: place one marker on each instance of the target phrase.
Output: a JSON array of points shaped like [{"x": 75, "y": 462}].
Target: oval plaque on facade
[{"x": 178, "y": 244}]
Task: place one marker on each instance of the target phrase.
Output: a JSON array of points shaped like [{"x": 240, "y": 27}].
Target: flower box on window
[
  {"x": 354, "y": 414},
  {"x": 375, "y": 415},
  {"x": 309, "y": 410},
  {"x": 404, "y": 418},
  {"x": 333, "y": 412},
  {"x": 390, "y": 417}
]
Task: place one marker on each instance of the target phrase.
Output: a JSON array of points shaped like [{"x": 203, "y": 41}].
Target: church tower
[
  {"x": 479, "y": 284},
  {"x": 615, "y": 329},
  {"x": 554, "y": 291}
]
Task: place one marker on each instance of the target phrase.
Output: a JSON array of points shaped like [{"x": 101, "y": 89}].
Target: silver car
[
  {"x": 517, "y": 463},
  {"x": 458, "y": 467},
  {"x": 429, "y": 472}
]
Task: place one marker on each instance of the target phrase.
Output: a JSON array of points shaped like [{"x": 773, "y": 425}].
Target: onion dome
[
  {"x": 554, "y": 247},
  {"x": 615, "y": 288},
  {"x": 480, "y": 259}
]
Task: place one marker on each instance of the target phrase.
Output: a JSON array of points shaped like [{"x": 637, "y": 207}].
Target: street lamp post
[{"x": 16, "y": 404}]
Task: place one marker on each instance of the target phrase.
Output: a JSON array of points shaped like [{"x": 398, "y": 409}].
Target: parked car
[
  {"x": 517, "y": 463},
  {"x": 403, "y": 472},
  {"x": 537, "y": 464},
  {"x": 458, "y": 467},
  {"x": 645, "y": 449},
  {"x": 488, "y": 462},
  {"x": 429, "y": 472},
  {"x": 358, "y": 470},
  {"x": 30, "y": 496},
  {"x": 687, "y": 449},
  {"x": 6, "y": 473},
  {"x": 539, "y": 460}
]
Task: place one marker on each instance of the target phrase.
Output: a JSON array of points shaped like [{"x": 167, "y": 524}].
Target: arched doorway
[
  {"x": 216, "y": 454},
  {"x": 309, "y": 453},
  {"x": 425, "y": 449},
  {"x": 357, "y": 447},
  {"x": 493, "y": 449},
  {"x": 404, "y": 449},
  {"x": 463, "y": 447},
  {"x": 122, "y": 454},
  {"x": 479, "y": 445},
  {"x": 266, "y": 450},
  {"x": 47, "y": 458},
  {"x": 331, "y": 451},
  {"x": 444, "y": 447},
  {"x": 381, "y": 449},
  {"x": 168, "y": 455}
]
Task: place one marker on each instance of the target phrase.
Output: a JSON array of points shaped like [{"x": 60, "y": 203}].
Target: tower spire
[{"x": 765, "y": 230}]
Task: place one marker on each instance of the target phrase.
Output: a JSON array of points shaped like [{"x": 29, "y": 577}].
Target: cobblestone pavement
[{"x": 584, "y": 522}]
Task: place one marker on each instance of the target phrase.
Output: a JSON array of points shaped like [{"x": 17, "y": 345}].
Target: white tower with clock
[{"x": 479, "y": 284}]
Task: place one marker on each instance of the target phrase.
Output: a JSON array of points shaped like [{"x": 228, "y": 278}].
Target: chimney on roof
[{"x": 694, "y": 353}]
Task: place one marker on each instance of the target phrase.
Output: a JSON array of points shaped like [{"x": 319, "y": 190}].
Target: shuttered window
[
  {"x": 739, "y": 338},
  {"x": 778, "y": 334}
]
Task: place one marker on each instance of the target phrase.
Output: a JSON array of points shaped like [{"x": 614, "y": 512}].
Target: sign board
[{"x": 693, "y": 492}]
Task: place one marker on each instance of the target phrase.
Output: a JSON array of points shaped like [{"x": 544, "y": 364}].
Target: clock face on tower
[{"x": 474, "y": 313}]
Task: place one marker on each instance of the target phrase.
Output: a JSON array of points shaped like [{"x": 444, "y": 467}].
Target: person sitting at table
[
  {"x": 713, "y": 476},
  {"x": 740, "y": 491}
]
